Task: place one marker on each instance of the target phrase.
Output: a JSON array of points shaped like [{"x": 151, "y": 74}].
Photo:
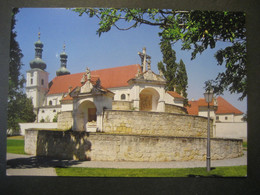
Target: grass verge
[
  {"x": 235, "y": 171},
  {"x": 244, "y": 145},
  {"x": 15, "y": 145}
]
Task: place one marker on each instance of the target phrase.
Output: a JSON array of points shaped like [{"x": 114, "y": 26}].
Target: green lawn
[
  {"x": 244, "y": 145},
  {"x": 236, "y": 171},
  {"x": 15, "y": 145}
]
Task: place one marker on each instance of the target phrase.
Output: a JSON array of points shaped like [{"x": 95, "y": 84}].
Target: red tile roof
[
  {"x": 193, "y": 109},
  {"x": 67, "y": 97},
  {"x": 224, "y": 107},
  {"x": 175, "y": 94},
  {"x": 202, "y": 102},
  {"x": 110, "y": 78},
  {"x": 61, "y": 84}
]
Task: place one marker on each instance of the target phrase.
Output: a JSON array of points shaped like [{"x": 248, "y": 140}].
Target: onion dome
[
  {"x": 63, "y": 64},
  {"x": 38, "y": 62}
]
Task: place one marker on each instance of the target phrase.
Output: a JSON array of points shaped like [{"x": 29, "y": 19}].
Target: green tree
[
  {"x": 168, "y": 67},
  {"x": 182, "y": 79},
  {"x": 197, "y": 30},
  {"x": 20, "y": 108},
  {"x": 174, "y": 73}
]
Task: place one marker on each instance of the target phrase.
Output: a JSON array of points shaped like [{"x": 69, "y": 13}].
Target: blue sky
[{"x": 114, "y": 48}]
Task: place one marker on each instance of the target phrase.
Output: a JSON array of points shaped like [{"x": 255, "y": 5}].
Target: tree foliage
[
  {"x": 197, "y": 30},
  {"x": 20, "y": 108},
  {"x": 174, "y": 73},
  {"x": 182, "y": 79},
  {"x": 169, "y": 66}
]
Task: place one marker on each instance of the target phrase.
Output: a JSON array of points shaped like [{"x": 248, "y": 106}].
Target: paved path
[
  {"x": 38, "y": 166},
  {"x": 19, "y": 165}
]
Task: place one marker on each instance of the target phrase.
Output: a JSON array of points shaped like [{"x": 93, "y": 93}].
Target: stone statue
[
  {"x": 88, "y": 74},
  {"x": 144, "y": 57},
  {"x": 149, "y": 64},
  {"x": 83, "y": 80}
]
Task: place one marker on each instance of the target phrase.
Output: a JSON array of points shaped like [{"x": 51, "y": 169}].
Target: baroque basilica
[
  {"x": 78, "y": 100},
  {"x": 85, "y": 95}
]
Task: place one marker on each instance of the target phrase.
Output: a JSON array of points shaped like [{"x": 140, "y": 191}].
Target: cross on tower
[
  {"x": 64, "y": 46},
  {"x": 39, "y": 33},
  {"x": 144, "y": 57}
]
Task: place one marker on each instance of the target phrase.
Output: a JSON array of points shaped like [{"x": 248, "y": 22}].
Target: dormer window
[{"x": 50, "y": 103}]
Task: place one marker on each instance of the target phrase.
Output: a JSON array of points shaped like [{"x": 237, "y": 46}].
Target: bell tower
[
  {"x": 63, "y": 64},
  {"x": 37, "y": 77}
]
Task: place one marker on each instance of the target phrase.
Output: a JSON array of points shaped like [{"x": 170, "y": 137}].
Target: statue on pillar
[{"x": 144, "y": 57}]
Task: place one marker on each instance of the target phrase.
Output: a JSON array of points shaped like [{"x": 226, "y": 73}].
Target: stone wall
[
  {"x": 65, "y": 120},
  {"x": 116, "y": 147},
  {"x": 154, "y": 123},
  {"x": 175, "y": 109},
  {"x": 122, "y": 105},
  {"x": 128, "y": 105},
  {"x": 30, "y": 141}
]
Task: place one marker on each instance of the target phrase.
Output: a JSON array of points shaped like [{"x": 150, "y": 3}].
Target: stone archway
[
  {"x": 149, "y": 98},
  {"x": 86, "y": 113}
]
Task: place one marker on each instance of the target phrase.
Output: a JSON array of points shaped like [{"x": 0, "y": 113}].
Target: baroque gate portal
[
  {"x": 86, "y": 113},
  {"x": 148, "y": 99}
]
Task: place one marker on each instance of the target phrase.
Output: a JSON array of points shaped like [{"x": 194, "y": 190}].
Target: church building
[
  {"x": 78, "y": 100},
  {"x": 85, "y": 95},
  {"x": 139, "y": 120}
]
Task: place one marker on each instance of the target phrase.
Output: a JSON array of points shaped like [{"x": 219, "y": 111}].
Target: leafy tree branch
[{"x": 197, "y": 30}]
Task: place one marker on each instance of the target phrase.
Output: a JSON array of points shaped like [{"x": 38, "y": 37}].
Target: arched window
[
  {"x": 54, "y": 110},
  {"x": 31, "y": 81},
  {"x": 42, "y": 82},
  {"x": 50, "y": 103},
  {"x": 123, "y": 97}
]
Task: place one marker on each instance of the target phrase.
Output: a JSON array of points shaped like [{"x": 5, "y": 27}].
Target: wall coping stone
[
  {"x": 162, "y": 113},
  {"x": 135, "y": 135}
]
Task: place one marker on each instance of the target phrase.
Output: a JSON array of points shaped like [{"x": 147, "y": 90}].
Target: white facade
[
  {"x": 37, "y": 86},
  {"x": 121, "y": 93},
  {"x": 231, "y": 130},
  {"x": 53, "y": 100},
  {"x": 229, "y": 118},
  {"x": 47, "y": 113}
]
